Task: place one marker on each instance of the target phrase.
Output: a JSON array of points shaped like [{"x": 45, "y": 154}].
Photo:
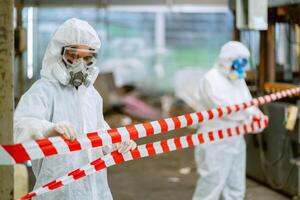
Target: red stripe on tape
[
  {"x": 96, "y": 141},
  {"x": 271, "y": 97},
  {"x": 135, "y": 153},
  {"x": 237, "y": 107},
  {"x": 259, "y": 124},
  {"x": 98, "y": 164},
  {"x": 17, "y": 152},
  {"x": 28, "y": 196},
  {"x": 229, "y": 110},
  {"x": 220, "y": 133},
  {"x": 210, "y": 114},
  {"x": 118, "y": 157},
  {"x": 259, "y": 102},
  {"x": 237, "y": 130},
  {"x": 220, "y": 112},
  {"x": 245, "y": 129},
  {"x": 177, "y": 122},
  {"x": 150, "y": 149},
  {"x": 177, "y": 143},
  {"x": 73, "y": 145},
  {"x": 201, "y": 138},
  {"x": 163, "y": 125},
  {"x": 115, "y": 135},
  {"x": 149, "y": 128},
  {"x": 189, "y": 140},
  {"x": 77, "y": 174},
  {"x": 164, "y": 145},
  {"x": 200, "y": 116},
  {"x": 211, "y": 136},
  {"x": 266, "y": 122},
  {"x": 229, "y": 133},
  {"x": 133, "y": 132},
  {"x": 46, "y": 146},
  {"x": 53, "y": 185},
  {"x": 189, "y": 119}
]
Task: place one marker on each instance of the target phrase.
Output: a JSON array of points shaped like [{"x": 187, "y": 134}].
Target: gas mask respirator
[
  {"x": 77, "y": 67},
  {"x": 238, "y": 69}
]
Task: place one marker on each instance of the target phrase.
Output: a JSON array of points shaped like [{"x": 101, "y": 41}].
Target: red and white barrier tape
[
  {"x": 147, "y": 150},
  {"x": 18, "y": 153}
]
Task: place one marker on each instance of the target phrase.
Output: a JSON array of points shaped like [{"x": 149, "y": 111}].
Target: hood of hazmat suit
[
  {"x": 48, "y": 102},
  {"x": 215, "y": 162}
]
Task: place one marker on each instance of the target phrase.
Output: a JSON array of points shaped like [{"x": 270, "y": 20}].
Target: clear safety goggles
[{"x": 72, "y": 56}]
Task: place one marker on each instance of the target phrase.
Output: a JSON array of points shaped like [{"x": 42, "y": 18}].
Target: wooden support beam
[
  {"x": 236, "y": 34},
  {"x": 267, "y": 66},
  {"x": 271, "y": 65},
  {"x": 262, "y": 61}
]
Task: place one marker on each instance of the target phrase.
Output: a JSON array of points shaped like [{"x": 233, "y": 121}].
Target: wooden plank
[{"x": 275, "y": 87}]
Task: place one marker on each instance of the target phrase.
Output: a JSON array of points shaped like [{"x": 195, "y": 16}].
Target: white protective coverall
[
  {"x": 221, "y": 166},
  {"x": 48, "y": 102}
]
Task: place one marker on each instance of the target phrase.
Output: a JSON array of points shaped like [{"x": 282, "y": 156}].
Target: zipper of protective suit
[{"x": 89, "y": 151}]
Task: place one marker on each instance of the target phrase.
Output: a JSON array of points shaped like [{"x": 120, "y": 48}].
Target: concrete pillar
[{"x": 6, "y": 92}]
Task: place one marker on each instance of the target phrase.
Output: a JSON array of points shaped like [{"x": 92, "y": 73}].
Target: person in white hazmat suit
[
  {"x": 64, "y": 102},
  {"x": 221, "y": 166}
]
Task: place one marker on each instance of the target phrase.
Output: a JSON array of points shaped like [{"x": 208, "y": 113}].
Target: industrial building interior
[{"x": 153, "y": 55}]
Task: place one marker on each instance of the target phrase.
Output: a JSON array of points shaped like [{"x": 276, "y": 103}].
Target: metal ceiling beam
[
  {"x": 104, "y": 3},
  {"x": 271, "y": 3},
  {"x": 276, "y": 3}
]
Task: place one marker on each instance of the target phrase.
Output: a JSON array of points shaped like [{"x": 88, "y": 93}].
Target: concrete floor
[
  {"x": 170, "y": 176},
  {"x": 160, "y": 178},
  {"x": 256, "y": 191}
]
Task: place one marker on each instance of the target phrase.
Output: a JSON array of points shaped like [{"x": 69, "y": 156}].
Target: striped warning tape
[
  {"x": 18, "y": 153},
  {"x": 150, "y": 149}
]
